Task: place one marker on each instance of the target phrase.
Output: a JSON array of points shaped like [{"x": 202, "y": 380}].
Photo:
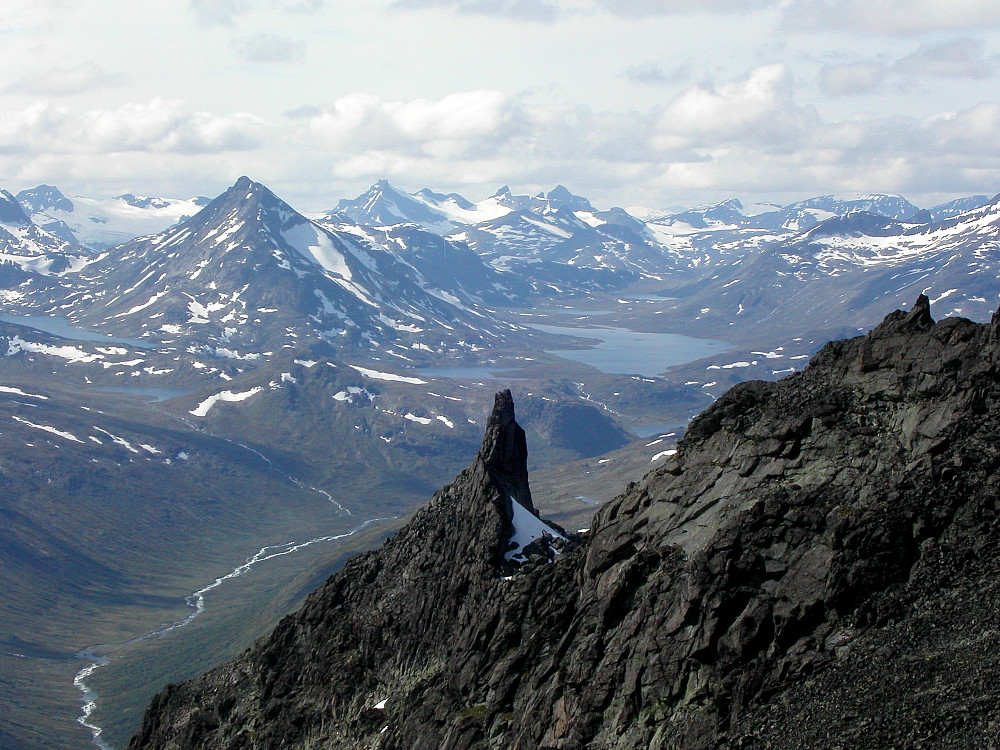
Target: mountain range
[
  {"x": 426, "y": 269},
  {"x": 324, "y": 372},
  {"x": 102, "y": 223}
]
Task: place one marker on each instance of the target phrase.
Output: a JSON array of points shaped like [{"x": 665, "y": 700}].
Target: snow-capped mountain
[
  {"x": 563, "y": 249},
  {"x": 892, "y": 206},
  {"x": 449, "y": 265},
  {"x": 958, "y": 206},
  {"x": 846, "y": 266},
  {"x": 101, "y": 223},
  {"x": 249, "y": 273},
  {"x": 29, "y": 248},
  {"x": 727, "y": 214},
  {"x": 732, "y": 214},
  {"x": 555, "y": 239},
  {"x": 384, "y": 204}
]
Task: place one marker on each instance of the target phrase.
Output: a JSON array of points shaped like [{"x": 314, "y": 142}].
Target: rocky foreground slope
[{"x": 818, "y": 566}]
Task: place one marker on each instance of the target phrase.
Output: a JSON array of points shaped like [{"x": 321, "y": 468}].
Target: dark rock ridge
[{"x": 816, "y": 567}]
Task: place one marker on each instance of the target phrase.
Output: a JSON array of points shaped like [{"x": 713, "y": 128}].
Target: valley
[{"x": 218, "y": 413}]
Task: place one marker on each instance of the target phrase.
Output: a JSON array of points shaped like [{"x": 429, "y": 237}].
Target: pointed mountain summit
[
  {"x": 249, "y": 273},
  {"x": 561, "y": 196},
  {"x": 382, "y": 625},
  {"x": 385, "y": 205}
]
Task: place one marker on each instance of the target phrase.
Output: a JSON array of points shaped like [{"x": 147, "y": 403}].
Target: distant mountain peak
[
  {"x": 383, "y": 204},
  {"x": 562, "y": 196},
  {"x": 458, "y": 200},
  {"x": 43, "y": 197},
  {"x": 252, "y": 186},
  {"x": 11, "y": 212},
  {"x": 251, "y": 192},
  {"x": 143, "y": 201}
]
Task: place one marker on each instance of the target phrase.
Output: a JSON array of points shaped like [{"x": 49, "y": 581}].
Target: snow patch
[
  {"x": 203, "y": 408},
  {"x": 376, "y": 375},
  {"x": 19, "y": 392},
  {"x": 46, "y": 428},
  {"x": 71, "y": 353},
  {"x": 527, "y": 528}
]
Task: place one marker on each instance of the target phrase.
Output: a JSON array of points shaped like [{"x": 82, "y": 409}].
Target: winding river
[{"x": 101, "y": 656}]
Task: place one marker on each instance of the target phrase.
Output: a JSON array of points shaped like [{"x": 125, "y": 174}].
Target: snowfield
[{"x": 205, "y": 406}]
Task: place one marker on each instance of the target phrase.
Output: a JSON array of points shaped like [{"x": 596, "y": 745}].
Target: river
[{"x": 101, "y": 656}]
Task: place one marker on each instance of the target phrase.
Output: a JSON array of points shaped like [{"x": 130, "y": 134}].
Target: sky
[{"x": 654, "y": 103}]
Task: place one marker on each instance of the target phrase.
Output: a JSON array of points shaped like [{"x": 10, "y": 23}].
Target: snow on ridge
[
  {"x": 142, "y": 306},
  {"x": 663, "y": 454},
  {"x": 73, "y": 354},
  {"x": 19, "y": 392},
  {"x": 376, "y": 375},
  {"x": 46, "y": 428},
  {"x": 484, "y": 210},
  {"x": 352, "y": 391},
  {"x": 117, "y": 440},
  {"x": 943, "y": 296},
  {"x": 205, "y": 406},
  {"x": 316, "y": 245},
  {"x": 527, "y": 528},
  {"x": 224, "y": 353}
]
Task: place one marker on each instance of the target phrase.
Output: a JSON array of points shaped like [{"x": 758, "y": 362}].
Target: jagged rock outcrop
[{"x": 818, "y": 566}]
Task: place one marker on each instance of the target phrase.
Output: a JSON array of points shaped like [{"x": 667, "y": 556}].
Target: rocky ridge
[{"x": 818, "y": 562}]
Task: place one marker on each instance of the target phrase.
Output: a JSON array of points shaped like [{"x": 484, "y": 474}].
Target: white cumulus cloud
[
  {"x": 475, "y": 120},
  {"x": 758, "y": 107},
  {"x": 157, "y": 126}
]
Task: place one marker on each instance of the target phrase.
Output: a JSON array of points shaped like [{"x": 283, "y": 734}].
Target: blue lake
[
  {"x": 60, "y": 326},
  {"x": 647, "y": 297},
  {"x": 153, "y": 394},
  {"x": 471, "y": 372},
  {"x": 624, "y": 352}
]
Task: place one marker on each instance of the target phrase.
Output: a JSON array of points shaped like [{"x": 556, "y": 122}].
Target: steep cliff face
[{"x": 818, "y": 565}]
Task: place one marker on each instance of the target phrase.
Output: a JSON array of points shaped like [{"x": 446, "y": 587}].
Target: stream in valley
[{"x": 101, "y": 656}]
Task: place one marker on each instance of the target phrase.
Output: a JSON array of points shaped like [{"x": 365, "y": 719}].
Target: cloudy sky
[{"x": 629, "y": 102}]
